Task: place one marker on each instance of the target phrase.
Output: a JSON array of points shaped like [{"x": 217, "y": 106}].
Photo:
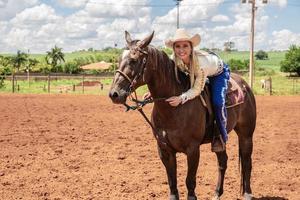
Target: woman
[{"x": 201, "y": 65}]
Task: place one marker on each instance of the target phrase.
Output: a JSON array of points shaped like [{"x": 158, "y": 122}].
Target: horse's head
[{"x": 131, "y": 72}]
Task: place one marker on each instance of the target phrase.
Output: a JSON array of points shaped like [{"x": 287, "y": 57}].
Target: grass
[
  {"x": 61, "y": 86},
  {"x": 264, "y": 68}
]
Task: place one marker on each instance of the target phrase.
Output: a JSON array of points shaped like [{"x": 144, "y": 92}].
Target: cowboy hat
[{"x": 182, "y": 35}]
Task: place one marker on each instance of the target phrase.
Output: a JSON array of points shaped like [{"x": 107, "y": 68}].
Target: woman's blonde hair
[{"x": 184, "y": 68}]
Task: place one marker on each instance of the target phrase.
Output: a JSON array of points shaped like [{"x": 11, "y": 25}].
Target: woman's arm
[
  {"x": 192, "y": 92},
  {"x": 197, "y": 87}
]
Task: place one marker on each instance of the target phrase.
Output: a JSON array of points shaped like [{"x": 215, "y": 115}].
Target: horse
[{"x": 183, "y": 128}]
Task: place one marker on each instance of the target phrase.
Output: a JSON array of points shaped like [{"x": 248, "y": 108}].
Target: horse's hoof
[
  {"x": 247, "y": 196},
  {"x": 174, "y": 197},
  {"x": 192, "y": 198},
  {"x": 216, "y": 197}
]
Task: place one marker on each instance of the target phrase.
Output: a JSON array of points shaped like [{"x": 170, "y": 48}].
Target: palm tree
[
  {"x": 19, "y": 60},
  {"x": 55, "y": 56}
]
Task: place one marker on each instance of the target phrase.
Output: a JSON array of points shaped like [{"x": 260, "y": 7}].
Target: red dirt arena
[{"x": 63, "y": 147}]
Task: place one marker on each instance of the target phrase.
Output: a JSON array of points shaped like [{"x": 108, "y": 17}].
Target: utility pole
[
  {"x": 251, "y": 67},
  {"x": 178, "y": 4},
  {"x": 251, "y": 64}
]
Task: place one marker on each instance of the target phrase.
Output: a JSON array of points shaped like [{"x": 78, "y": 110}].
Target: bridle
[
  {"x": 161, "y": 138},
  {"x": 133, "y": 81}
]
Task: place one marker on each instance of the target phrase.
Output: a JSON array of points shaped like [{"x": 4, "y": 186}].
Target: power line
[{"x": 160, "y": 5}]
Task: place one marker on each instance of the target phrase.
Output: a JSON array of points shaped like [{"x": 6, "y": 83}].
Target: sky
[{"x": 36, "y": 26}]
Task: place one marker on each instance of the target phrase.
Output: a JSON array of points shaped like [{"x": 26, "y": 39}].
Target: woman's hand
[
  {"x": 147, "y": 95},
  {"x": 174, "y": 101}
]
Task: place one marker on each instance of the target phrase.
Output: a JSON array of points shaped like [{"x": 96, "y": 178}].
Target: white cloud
[
  {"x": 220, "y": 18},
  {"x": 8, "y": 9},
  {"x": 72, "y": 3},
  {"x": 36, "y": 15},
  {"x": 29, "y": 24},
  {"x": 281, "y": 3},
  {"x": 283, "y": 39},
  {"x": 107, "y": 9},
  {"x": 3, "y": 3}
]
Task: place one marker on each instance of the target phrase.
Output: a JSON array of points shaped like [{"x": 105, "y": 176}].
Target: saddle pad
[{"x": 235, "y": 94}]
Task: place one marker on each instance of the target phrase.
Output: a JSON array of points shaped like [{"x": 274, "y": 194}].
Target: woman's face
[{"x": 183, "y": 50}]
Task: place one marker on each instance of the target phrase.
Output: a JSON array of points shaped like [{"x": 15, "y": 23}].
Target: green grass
[
  {"x": 272, "y": 63},
  {"x": 61, "y": 86},
  {"x": 264, "y": 68}
]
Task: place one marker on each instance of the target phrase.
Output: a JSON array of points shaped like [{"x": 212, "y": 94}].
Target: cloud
[
  {"x": 220, "y": 18},
  {"x": 9, "y": 9},
  {"x": 72, "y": 3},
  {"x": 40, "y": 14},
  {"x": 98, "y": 24},
  {"x": 3, "y": 3},
  {"x": 107, "y": 9},
  {"x": 283, "y": 39},
  {"x": 194, "y": 19},
  {"x": 281, "y": 3}
]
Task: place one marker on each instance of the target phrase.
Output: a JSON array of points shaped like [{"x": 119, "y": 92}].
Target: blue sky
[{"x": 38, "y": 25}]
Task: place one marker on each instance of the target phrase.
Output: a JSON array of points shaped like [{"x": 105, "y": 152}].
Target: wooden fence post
[
  {"x": 83, "y": 83},
  {"x": 13, "y": 83},
  {"x": 49, "y": 83},
  {"x": 270, "y": 89}
]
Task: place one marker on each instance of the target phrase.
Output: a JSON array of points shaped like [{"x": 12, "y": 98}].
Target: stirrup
[{"x": 217, "y": 144}]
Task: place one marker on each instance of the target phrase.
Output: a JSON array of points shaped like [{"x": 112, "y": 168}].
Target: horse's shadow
[{"x": 269, "y": 198}]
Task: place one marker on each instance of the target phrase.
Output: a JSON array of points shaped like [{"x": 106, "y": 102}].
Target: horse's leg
[
  {"x": 245, "y": 152},
  {"x": 222, "y": 164},
  {"x": 169, "y": 160},
  {"x": 246, "y": 147},
  {"x": 193, "y": 162}
]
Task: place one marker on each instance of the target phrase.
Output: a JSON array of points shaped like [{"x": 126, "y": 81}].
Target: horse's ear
[
  {"x": 145, "y": 42},
  {"x": 128, "y": 38}
]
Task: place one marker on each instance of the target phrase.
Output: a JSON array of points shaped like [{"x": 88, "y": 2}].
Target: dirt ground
[{"x": 84, "y": 147}]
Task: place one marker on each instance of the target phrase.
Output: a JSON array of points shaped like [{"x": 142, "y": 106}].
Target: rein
[{"x": 162, "y": 139}]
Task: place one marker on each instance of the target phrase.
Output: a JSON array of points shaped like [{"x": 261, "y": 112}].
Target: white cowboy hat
[{"x": 182, "y": 35}]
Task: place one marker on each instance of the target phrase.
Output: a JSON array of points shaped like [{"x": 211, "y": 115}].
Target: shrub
[
  {"x": 72, "y": 68},
  {"x": 261, "y": 55},
  {"x": 236, "y": 64},
  {"x": 291, "y": 63}
]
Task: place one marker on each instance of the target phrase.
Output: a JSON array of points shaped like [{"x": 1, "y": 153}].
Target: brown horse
[{"x": 182, "y": 128}]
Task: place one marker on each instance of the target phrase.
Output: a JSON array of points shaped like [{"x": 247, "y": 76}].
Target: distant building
[{"x": 97, "y": 66}]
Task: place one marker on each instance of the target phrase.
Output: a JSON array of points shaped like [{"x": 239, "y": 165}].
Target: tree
[
  {"x": 5, "y": 64},
  {"x": 55, "y": 57},
  {"x": 261, "y": 55},
  {"x": 291, "y": 63},
  {"x": 228, "y": 46},
  {"x": 236, "y": 64},
  {"x": 19, "y": 60}
]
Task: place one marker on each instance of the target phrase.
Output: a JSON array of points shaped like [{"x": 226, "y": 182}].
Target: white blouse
[{"x": 209, "y": 65}]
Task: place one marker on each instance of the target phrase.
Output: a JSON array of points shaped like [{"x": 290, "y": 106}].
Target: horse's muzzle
[{"x": 117, "y": 96}]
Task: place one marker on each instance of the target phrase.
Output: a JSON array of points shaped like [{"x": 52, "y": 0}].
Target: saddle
[{"x": 235, "y": 96}]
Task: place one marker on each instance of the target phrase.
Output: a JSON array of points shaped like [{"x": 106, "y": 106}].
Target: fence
[
  {"x": 100, "y": 84},
  {"x": 279, "y": 85},
  {"x": 58, "y": 83}
]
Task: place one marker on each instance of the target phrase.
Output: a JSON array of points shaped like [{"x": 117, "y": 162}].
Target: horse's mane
[{"x": 165, "y": 66}]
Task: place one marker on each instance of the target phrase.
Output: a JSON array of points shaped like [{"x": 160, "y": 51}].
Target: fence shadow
[{"x": 269, "y": 198}]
